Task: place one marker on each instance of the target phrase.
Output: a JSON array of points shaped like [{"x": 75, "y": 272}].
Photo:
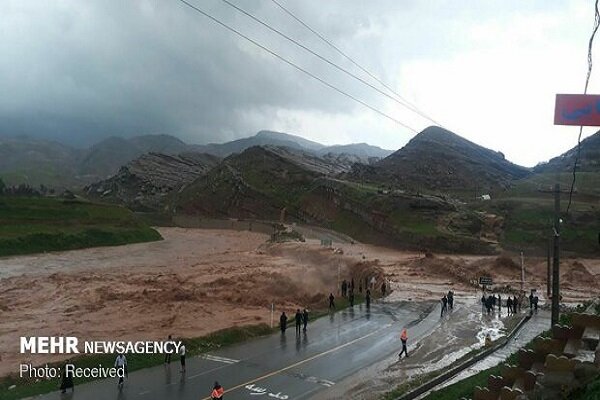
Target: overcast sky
[{"x": 488, "y": 70}]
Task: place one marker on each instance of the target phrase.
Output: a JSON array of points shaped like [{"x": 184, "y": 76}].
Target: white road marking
[{"x": 220, "y": 359}]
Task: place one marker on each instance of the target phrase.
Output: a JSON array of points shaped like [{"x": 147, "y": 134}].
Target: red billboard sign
[{"x": 577, "y": 109}]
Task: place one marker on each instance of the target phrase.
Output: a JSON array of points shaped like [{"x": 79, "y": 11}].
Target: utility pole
[
  {"x": 556, "y": 258},
  {"x": 549, "y": 269},
  {"x": 522, "y": 273}
]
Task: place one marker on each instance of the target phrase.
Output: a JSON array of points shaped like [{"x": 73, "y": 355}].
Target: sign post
[
  {"x": 577, "y": 110},
  {"x": 574, "y": 110},
  {"x": 485, "y": 281}
]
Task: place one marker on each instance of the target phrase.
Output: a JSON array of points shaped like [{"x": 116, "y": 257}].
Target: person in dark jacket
[
  {"x": 444, "y": 305},
  {"x": 331, "y": 303},
  {"x": 305, "y": 318},
  {"x": 283, "y": 322},
  {"x": 298, "y": 321},
  {"x": 66, "y": 381}
]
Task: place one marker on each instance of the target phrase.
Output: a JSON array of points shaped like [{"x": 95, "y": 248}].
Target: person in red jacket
[
  {"x": 403, "y": 339},
  {"x": 217, "y": 392}
]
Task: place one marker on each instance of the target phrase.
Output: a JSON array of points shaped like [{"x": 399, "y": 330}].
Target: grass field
[{"x": 40, "y": 224}]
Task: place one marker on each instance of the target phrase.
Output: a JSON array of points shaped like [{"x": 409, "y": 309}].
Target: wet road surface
[
  {"x": 286, "y": 366},
  {"x": 538, "y": 323}
]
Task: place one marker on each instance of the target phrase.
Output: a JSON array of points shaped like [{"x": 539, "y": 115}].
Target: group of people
[
  {"x": 533, "y": 302},
  {"x": 447, "y": 302},
  {"x": 301, "y": 319},
  {"x": 347, "y": 291},
  {"x": 489, "y": 303},
  {"x": 181, "y": 354}
]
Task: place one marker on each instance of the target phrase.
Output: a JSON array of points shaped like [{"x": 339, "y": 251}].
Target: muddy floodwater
[{"x": 197, "y": 281}]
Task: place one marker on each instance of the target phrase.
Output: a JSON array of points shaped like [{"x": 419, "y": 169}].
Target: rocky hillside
[
  {"x": 268, "y": 183},
  {"x": 437, "y": 159},
  {"x": 144, "y": 184},
  {"x": 37, "y": 161},
  {"x": 589, "y": 160}
]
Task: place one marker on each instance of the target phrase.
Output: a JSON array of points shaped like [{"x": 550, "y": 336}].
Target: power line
[
  {"x": 587, "y": 81},
  {"x": 322, "y": 58},
  {"x": 273, "y": 53},
  {"x": 409, "y": 105}
]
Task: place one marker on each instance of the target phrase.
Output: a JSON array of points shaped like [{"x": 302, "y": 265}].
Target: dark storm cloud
[{"x": 83, "y": 70}]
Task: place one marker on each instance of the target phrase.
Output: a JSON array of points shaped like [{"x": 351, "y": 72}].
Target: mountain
[
  {"x": 144, "y": 183},
  {"x": 589, "y": 159},
  {"x": 256, "y": 183},
  {"x": 106, "y": 157},
  {"x": 165, "y": 144},
  {"x": 270, "y": 183},
  {"x": 37, "y": 161},
  {"x": 262, "y": 138},
  {"x": 363, "y": 150},
  {"x": 439, "y": 160}
]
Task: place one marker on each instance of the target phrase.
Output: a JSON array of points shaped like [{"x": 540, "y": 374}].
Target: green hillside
[{"x": 39, "y": 224}]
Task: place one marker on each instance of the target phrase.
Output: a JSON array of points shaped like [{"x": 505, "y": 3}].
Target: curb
[{"x": 455, "y": 370}]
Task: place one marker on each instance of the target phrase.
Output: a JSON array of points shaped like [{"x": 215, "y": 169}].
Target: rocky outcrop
[{"x": 144, "y": 183}]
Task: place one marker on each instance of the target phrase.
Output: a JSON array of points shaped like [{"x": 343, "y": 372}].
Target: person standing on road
[
  {"x": 283, "y": 322},
  {"x": 509, "y": 305},
  {"x": 499, "y": 304},
  {"x": 217, "y": 392},
  {"x": 535, "y": 303},
  {"x": 351, "y": 298},
  {"x": 368, "y": 298},
  {"x": 515, "y": 304},
  {"x": 182, "y": 357},
  {"x": 331, "y": 303},
  {"x": 169, "y": 350},
  {"x": 298, "y": 321},
  {"x": 403, "y": 339},
  {"x": 531, "y": 302},
  {"x": 450, "y": 299},
  {"x": 444, "y": 305},
  {"x": 66, "y": 381},
  {"x": 305, "y": 318},
  {"x": 383, "y": 289},
  {"x": 121, "y": 363}
]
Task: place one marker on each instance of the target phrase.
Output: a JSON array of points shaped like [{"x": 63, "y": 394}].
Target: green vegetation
[
  {"x": 39, "y": 224},
  {"x": 528, "y": 224}
]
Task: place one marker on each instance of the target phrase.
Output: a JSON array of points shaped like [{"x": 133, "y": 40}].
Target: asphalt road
[{"x": 286, "y": 366}]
